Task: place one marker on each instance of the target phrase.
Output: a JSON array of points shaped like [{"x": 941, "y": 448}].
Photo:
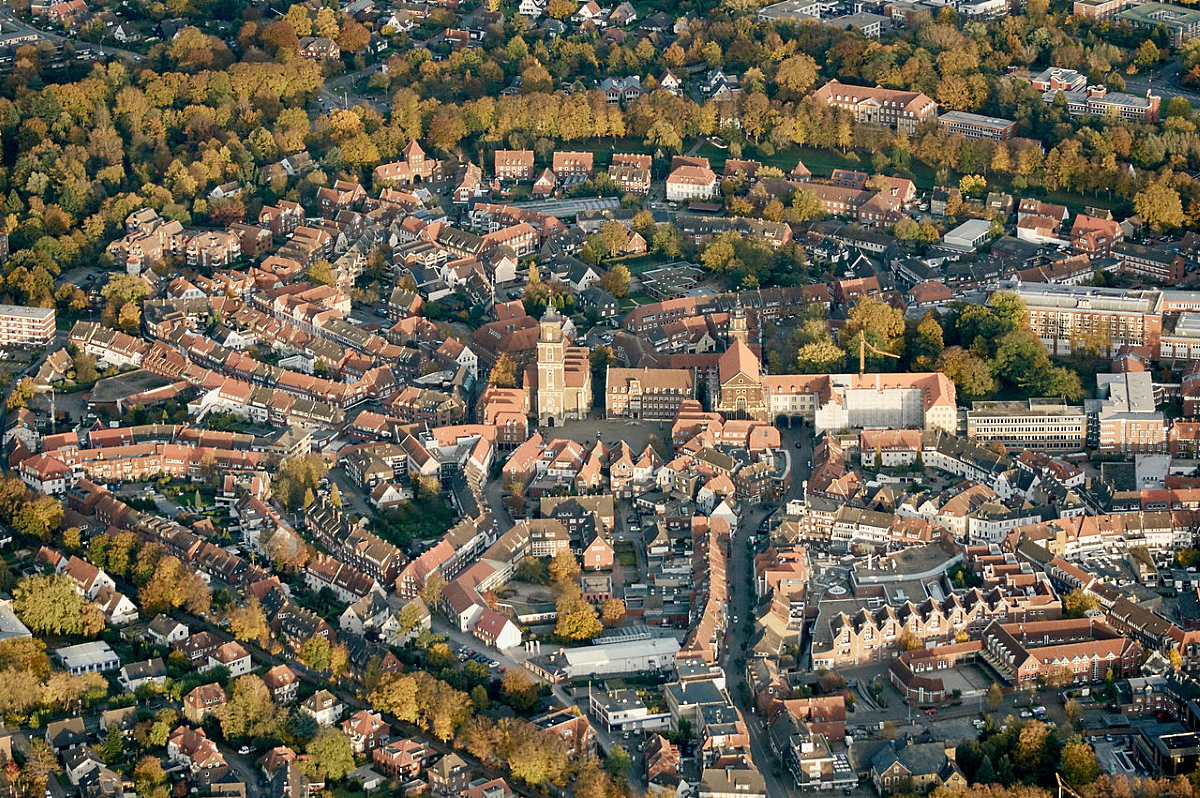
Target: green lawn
[{"x": 647, "y": 262}]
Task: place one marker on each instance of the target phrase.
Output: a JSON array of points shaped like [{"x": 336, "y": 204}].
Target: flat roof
[
  {"x": 1161, "y": 14},
  {"x": 611, "y": 651},
  {"x": 83, "y": 654},
  {"x": 10, "y": 625},
  {"x": 26, "y": 312},
  {"x": 975, "y": 119}
]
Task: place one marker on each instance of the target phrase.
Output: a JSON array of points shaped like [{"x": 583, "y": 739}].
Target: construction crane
[{"x": 863, "y": 346}]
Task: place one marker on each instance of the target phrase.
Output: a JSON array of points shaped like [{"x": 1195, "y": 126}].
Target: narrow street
[
  {"x": 797, "y": 444},
  {"x": 742, "y": 604}
]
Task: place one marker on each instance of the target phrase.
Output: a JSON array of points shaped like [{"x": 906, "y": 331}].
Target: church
[
  {"x": 559, "y": 381},
  {"x": 740, "y": 373},
  {"x": 832, "y": 402}
]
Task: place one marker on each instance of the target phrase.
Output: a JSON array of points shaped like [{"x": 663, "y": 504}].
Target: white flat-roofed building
[
  {"x": 25, "y": 326},
  {"x": 10, "y": 625},
  {"x": 1035, "y": 424},
  {"x": 614, "y": 659},
  {"x": 870, "y": 24},
  {"x": 92, "y": 657},
  {"x": 968, "y": 235},
  {"x": 790, "y": 10},
  {"x": 977, "y": 126}
]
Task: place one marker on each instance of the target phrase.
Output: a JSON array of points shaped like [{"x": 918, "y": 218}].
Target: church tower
[
  {"x": 738, "y": 328},
  {"x": 551, "y": 370}
]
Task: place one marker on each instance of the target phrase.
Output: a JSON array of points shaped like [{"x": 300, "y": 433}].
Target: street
[
  {"x": 743, "y": 604},
  {"x": 1164, "y": 82},
  {"x": 12, "y": 23}
]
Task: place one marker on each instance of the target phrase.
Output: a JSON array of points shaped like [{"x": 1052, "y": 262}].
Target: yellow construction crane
[{"x": 863, "y": 346}]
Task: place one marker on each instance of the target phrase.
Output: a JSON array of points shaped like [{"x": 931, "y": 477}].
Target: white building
[
  {"x": 92, "y": 657},
  {"x": 22, "y": 326},
  {"x": 968, "y": 235},
  {"x": 614, "y": 659}
]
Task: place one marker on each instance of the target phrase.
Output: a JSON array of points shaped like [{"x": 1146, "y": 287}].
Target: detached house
[
  {"x": 203, "y": 700},
  {"x": 231, "y": 656},
  {"x": 366, "y": 731},
  {"x": 917, "y": 767},
  {"x": 283, "y": 684},
  {"x": 324, "y": 707}
]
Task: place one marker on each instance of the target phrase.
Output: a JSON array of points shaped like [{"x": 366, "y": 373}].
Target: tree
[
  {"x": 972, "y": 376},
  {"x": 411, "y": 616},
  {"x": 396, "y": 694},
  {"x": 564, "y": 569},
  {"x": 1021, "y": 360},
  {"x": 1077, "y": 764},
  {"x": 1159, "y": 205},
  {"x": 353, "y": 37},
  {"x": 21, "y": 394},
  {"x": 149, "y": 778},
  {"x": 1074, "y": 712},
  {"x": 882, "y": 323},
  {"x": 805, "y": 206},
  {"x": 26, "y": 655},
  {"x": 612, "y": 612},
  {"x": 909, "y": 640},
  {"x": 533, "y": 570},
  {"x": 321, "y": 271},
  {"x": 820, "y": 357},
  {"x": 987, "y": 771},
  {"x": 330, "y": 756},
  {"x": 298, "y": 475},
  {"x": 170, "y": 585},
  {"x": 49, "y": 604},
  {"x": 335, "y": 496},
  {"x": 561, "y": 9},
  {"x": 1078, "y": 602},
  {"x": 250, "y": 711},
  {"x": 316, "y": 653},
  {"x": 972, "y": 185},
  {"x": 994, "y": 695},
  {"x": 577, "y": 620},
  {"x": 519, "y": 691},
  {"x": 616, "y": 280},
  {"x": 927, "y": 342},
  {"x": 249, "y": 623},
  {"x": 796, "y": 75},
  {"x": 1033, "y": 744},
  {"x": 39, "y": 517},
  {"x": 339, "y": 658},
  {"x": 617, "y": 762},
  {"x": 504, "y": 373},
  {"x": 431, "y": 591}
]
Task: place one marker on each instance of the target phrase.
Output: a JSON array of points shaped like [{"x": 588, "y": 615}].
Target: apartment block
[{"x": 26, "y": 326}]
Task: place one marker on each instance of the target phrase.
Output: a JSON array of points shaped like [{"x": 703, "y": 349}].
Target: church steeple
[{"x": 738, "y": 329}]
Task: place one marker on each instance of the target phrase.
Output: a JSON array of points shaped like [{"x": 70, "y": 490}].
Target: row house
[{"x": 352, "y": 544}]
